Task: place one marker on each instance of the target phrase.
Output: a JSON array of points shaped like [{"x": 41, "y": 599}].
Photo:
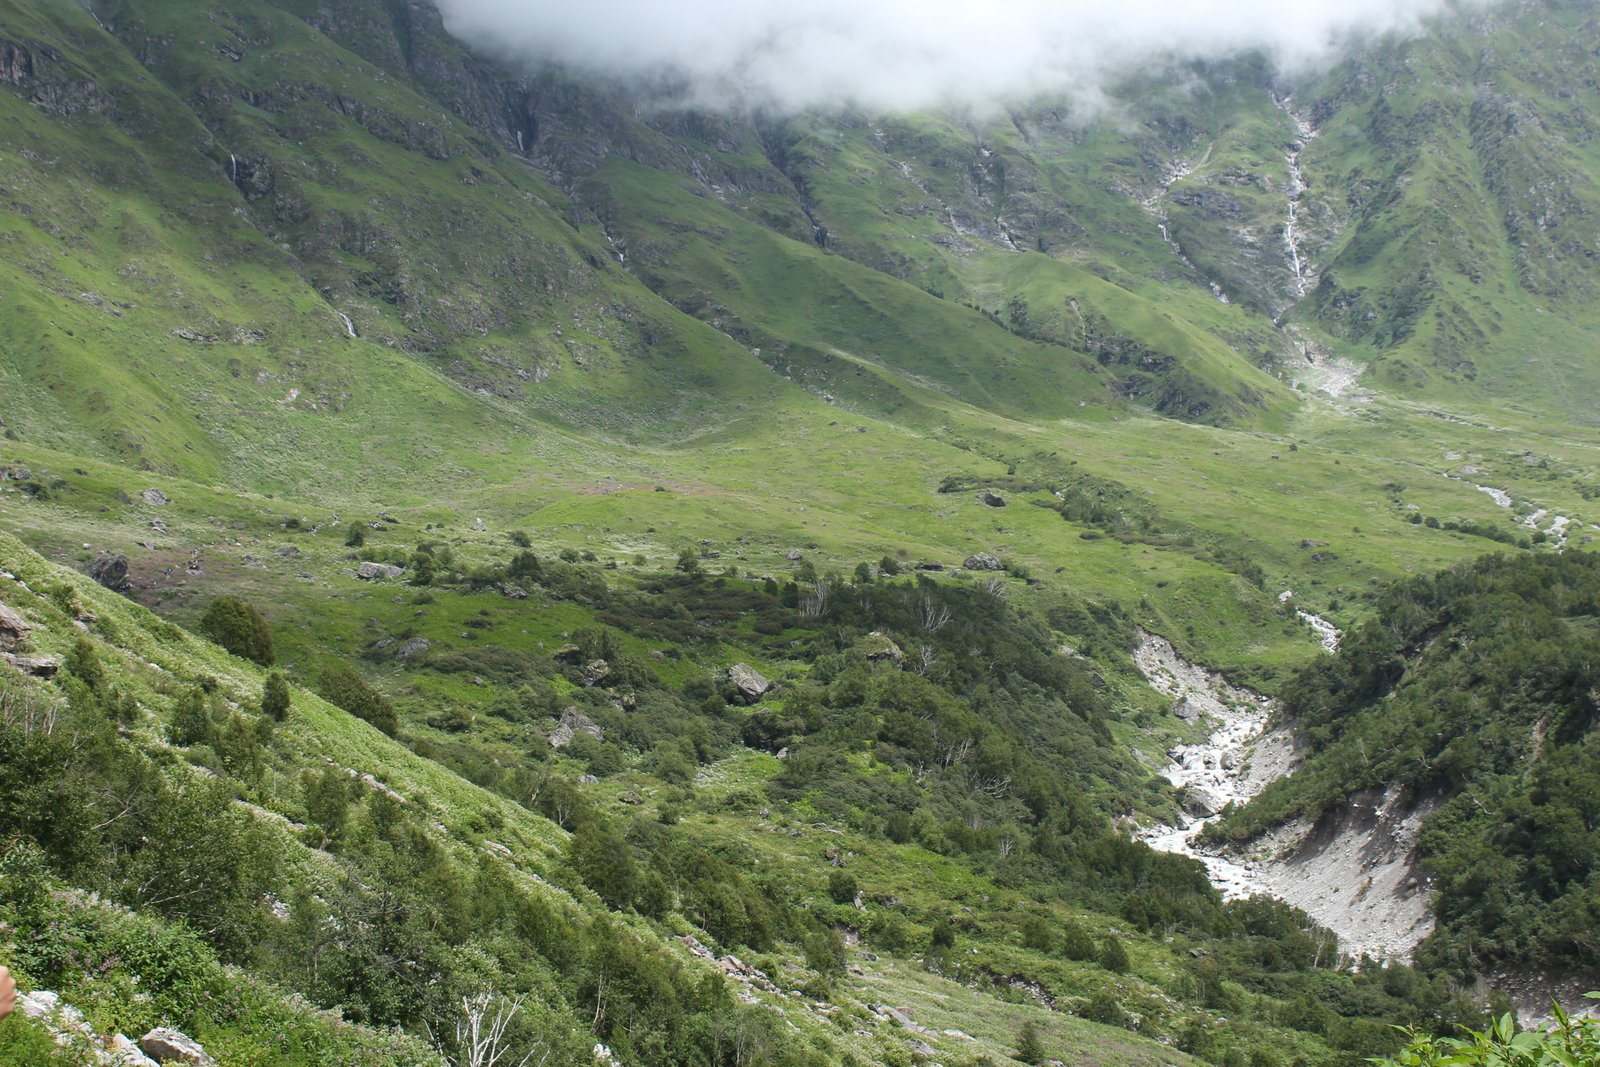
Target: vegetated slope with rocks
[
  {"x": 889, "y": 854},
  {"x": 1468, "y": 704}
]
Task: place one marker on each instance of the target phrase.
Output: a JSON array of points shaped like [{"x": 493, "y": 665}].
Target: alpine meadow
[{"x": 800, "y": 534}]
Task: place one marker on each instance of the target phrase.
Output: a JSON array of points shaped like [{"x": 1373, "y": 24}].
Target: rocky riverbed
[{"x": 1353, "y": 870}]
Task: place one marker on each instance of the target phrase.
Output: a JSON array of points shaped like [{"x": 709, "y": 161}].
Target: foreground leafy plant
[{"x": 1570, "y": 1043}]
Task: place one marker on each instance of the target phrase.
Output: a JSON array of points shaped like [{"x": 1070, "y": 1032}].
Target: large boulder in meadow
[
  {"x": 166, "y": 1045},
  {"x": 111, "y": 572},
  {"x": 748, "y": 681},
  {"x": 574, "y": 722}
]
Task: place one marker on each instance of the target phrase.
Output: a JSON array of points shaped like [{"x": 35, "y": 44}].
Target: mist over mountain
[{"x": 901, "y": 56}]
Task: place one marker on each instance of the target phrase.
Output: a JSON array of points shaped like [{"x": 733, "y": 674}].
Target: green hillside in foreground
[{"x": 911, "y": 828}]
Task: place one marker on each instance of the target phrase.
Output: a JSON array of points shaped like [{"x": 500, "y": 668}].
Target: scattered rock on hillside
[
  {"x": 111, "y": 572},
  {"x": 38, "y": 666},
  {"x": 120, "y": 1051},
  {"x": 595, "y": 671},
  {"x": 902, "y": 1016},
  {"x": 289, "y": 552},
  {"x": 513, "y": 592},
  {"x": 878, "y": 647},
  {"x": 793, "y": 554},
  {"x": 372, "y": 572},
  {"x": 14, "y": 629},
  {"x": 982, "y": 561},
  {"x": 992, "y": 499},
  {"x": 413, "y": 647},
  {"x": 70, "y": 1029},
  {"x": 172, "y": 1046},
  {"x": 572, "y": 723},
  {"x": 155, "y": 498},
  {"x": 43, "y": 1004},
  {"x": 748, "y": 681},
  {"x": 371, "y": 782}
]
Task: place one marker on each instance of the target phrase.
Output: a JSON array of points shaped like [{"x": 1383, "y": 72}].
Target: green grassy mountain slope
[
  {"x": 922, "y": 417},
  {"x": 1459, "y": 172}
]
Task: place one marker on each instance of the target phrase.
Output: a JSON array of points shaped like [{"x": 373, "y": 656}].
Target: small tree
[
  {"x": 345, "y": 688},
  {"x": 275, "y": 697},
  {"x": 1029, "y": 1048},
  {"x": 1113, "y": 957},
  {"x": 842, "y": 887},
  {"x": 688, "y": 562},
  {"x": 605, "y": 862},
  {"x": 84, "y": 661},
  {"x": 1036, "y": 934},
  {"x": 1076, "y": 944},
  {"x": 824, "y": 953},
  {"x": 1104, "y": 1008},
  {"x": 191, "y": 719},
  {"x": 525, "y": 565},
  {"x": 423, "y": 568},
  {"x": 239, "y": 628},
  {"x": 327, "y": 795},
  {"x": 481, "y": 1033}
]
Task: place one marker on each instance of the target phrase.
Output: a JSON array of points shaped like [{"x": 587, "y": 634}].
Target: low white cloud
[{"x": 906, "y": 54}]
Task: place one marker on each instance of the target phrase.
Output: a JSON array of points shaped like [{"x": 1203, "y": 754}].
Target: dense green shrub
[
  {"x": 343, "y": 687},
  {"x": 239, "y": 628},
  {"x": 275, "y": 697}
]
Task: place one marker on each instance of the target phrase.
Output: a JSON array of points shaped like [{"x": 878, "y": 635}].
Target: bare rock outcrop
[
  {"x": 748, "y": 681},
  {"x": 14, "y": 629},
  {"x": 574, "y": 722},
  {"x": 167, "y": 1045},
  {"x": 111, "y": 572}
]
